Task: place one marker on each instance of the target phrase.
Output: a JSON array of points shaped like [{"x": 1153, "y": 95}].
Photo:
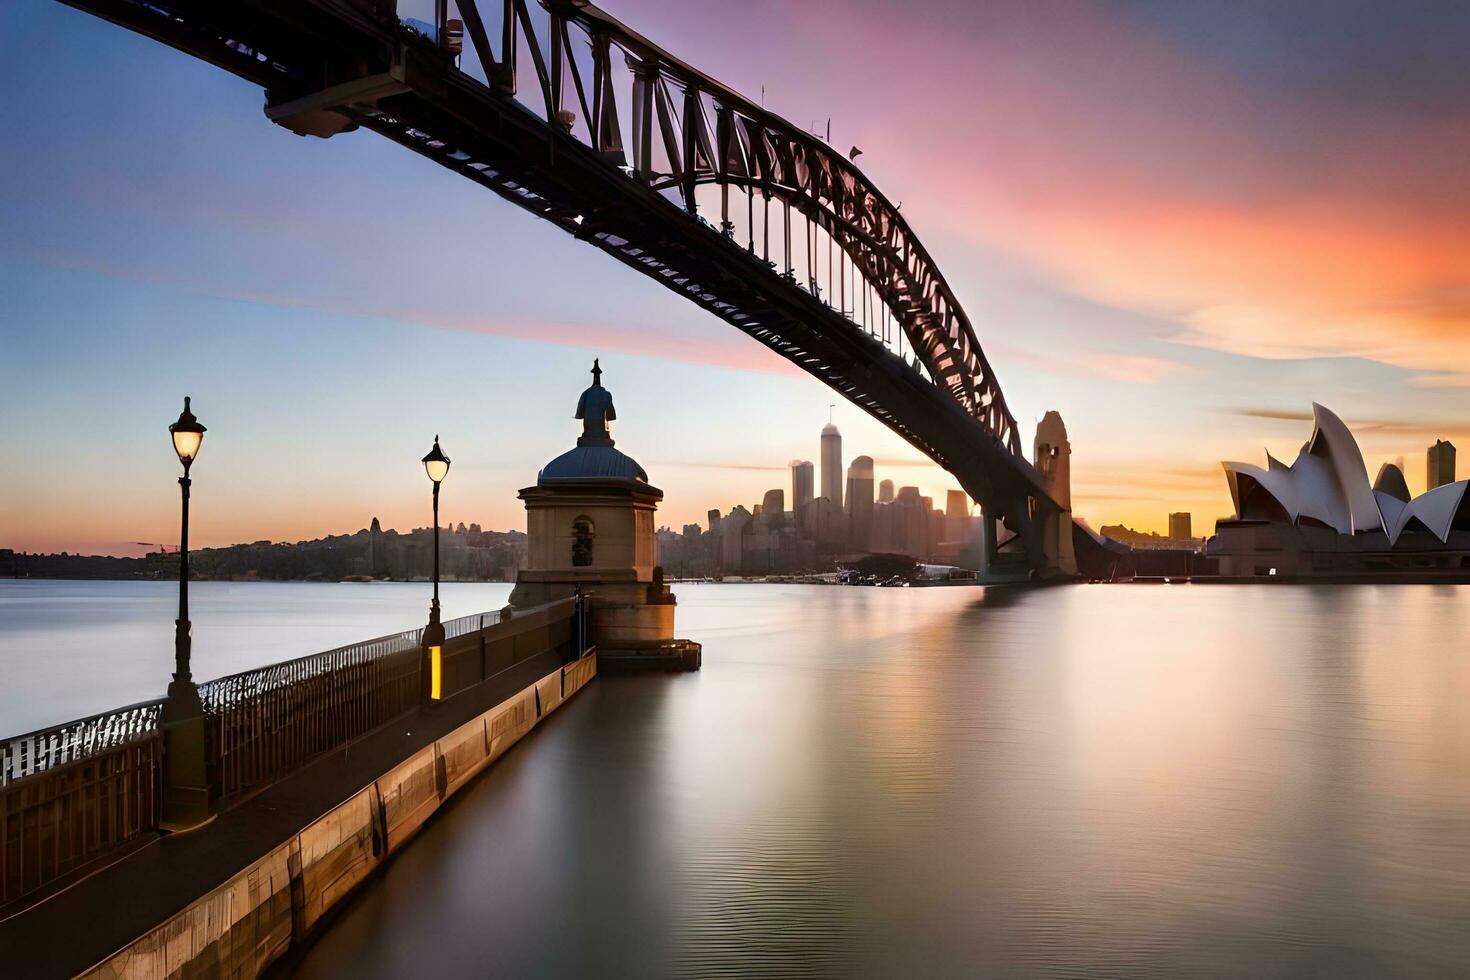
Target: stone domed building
[{"x": 590, "y": 524}]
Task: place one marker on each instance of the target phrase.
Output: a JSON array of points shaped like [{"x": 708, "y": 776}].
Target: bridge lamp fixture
[{"x": 436, "y": 464}]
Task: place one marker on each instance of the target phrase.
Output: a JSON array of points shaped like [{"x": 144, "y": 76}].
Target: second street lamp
[{"x": 436, "y": 464}]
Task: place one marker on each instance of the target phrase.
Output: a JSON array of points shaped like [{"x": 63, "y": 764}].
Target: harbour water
[
  {"x": 71, "y": 649},
  {"x": 1094, "y": 780}
]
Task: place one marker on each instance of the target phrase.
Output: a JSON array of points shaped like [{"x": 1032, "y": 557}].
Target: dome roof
[
  {"x": 829, "y": 430},
  {"x": 594, "y": 457},
  {"x": 592, "y": 463}
]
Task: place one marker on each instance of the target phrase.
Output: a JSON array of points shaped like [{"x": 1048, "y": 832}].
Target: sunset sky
[{"x": 1177, "y": 222}]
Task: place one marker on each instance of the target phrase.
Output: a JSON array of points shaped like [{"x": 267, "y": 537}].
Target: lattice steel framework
[{"x": 564, "y": 111}]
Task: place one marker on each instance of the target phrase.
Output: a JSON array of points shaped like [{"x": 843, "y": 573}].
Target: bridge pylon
[{"x": 1053, "y": 524}]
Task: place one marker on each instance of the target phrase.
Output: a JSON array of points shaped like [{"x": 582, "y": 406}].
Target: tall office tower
[
  {"x": 832, "y": 464},
  {"x": 956, "y": 516},
  {"x": 910, "y": 523},
  {"x": 714, "y": 521},
  {"x": 860, "y": 502},
  {"x": 885, "y": 492},
  {"x": 1181, "y": 526},
  {"x": 881, "y": 536},
  {"x": 1441, "y": 464},
  {"x": 773, "y": 508},
  {"x": 801, "y": 488}
]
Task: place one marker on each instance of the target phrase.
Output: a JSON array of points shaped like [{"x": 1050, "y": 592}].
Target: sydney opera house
[{"x": 1321, "y": 517}]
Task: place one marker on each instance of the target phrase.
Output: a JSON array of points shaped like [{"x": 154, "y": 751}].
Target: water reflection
[{"x": 1173, "y": 781}]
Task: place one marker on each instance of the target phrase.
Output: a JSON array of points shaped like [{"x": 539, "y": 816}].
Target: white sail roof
[
  {"x": 1328, "y": 483},
  {"x": 1332, "y": 440},
  {"x": 1435, "y": 510}
]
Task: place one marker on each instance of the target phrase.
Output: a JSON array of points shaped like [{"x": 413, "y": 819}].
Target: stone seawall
[{"x": 241, "y": 927}]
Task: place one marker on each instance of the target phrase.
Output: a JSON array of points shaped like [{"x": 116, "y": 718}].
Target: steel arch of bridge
[{"x": 627, "y": 147}]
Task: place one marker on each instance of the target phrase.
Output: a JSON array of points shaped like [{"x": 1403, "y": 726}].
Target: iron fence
[
  {"x": 59, "y": 819},
  {"x": 264, "y": 722},
  {"x": 71, "y": 793},
  {"x": 47, "y": 748},
  {"x": 470, "y": 624}
]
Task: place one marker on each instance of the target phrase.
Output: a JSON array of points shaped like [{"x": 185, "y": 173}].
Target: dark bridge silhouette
[{"x": 564, "y": 111}]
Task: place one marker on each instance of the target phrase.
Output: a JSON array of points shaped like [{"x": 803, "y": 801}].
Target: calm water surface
[
  {"x": 1095, "y": 780},
  {"x": 71, "y": 649}
]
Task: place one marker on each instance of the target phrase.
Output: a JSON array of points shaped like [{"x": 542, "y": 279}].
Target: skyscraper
[
  {"x": 801, "y": 488},
  {"x": 860, "y": 502},
  {"x": 1181, "y": 526},
  {"x": 1441, "y": 468},
  {"x": 773, "y": 508},
  {"x": 910, "y": 523},
  {"x": 956, "y": 516},
  {"x": 885, "y": 492},
  {"x": 832, "y": 464}
]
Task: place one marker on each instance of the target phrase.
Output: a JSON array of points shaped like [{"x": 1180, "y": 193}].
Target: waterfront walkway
[{"x": 125, "y": 900}]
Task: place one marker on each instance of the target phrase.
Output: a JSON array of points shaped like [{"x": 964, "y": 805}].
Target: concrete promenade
[{"x": 82, "y": 926}]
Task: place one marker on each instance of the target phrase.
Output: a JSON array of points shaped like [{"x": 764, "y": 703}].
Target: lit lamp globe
[
  {"x": 188, "y": 436},
  {"x": 436, "y": 464}
]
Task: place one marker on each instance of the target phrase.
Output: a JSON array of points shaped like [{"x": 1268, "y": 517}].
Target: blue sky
[{"x": 331, "y": 305}]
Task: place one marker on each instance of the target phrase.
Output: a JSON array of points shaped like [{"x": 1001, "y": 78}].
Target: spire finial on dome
[{"x": 595, "y": 409}]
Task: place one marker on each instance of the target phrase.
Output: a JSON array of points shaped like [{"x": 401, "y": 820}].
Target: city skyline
[{"x": 170, "y": 258}]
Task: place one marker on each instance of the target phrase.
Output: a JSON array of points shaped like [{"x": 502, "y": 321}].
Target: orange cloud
[{"x": 1271, "y": 223}]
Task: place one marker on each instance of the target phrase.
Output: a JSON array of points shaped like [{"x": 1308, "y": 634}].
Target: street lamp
[
  {"x": 436, "y": 464},
  {"x": 188, "y": 436},
  {"x": 186, "y": 789}
]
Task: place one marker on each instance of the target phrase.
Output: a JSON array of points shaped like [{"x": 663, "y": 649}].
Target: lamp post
[
  {"x": 186, "y": 789},
  {"x": 436, "y": 464},
  {"x": 188, "y": 436}
]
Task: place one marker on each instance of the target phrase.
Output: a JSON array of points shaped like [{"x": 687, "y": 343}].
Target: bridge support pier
[
  {"x": 988, "y": 535},
  {"x": 1056, "y": 542}
]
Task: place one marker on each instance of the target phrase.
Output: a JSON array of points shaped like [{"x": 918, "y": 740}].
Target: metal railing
[
  {"x": 261, "y": 723},
  {"x": 470, "y": 624},
  {"x": 47, "y": 748},
  {"x": 73, "y": 792}
]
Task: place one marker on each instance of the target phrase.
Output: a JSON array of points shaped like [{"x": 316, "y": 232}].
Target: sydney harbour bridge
[{"x": 564, "y": 111}]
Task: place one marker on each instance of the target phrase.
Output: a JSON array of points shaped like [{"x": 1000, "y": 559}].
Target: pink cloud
[{"x": 734, "y": 351}]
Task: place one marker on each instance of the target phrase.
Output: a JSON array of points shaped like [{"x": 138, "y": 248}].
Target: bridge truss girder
[{"x": 947, "y": 403}]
